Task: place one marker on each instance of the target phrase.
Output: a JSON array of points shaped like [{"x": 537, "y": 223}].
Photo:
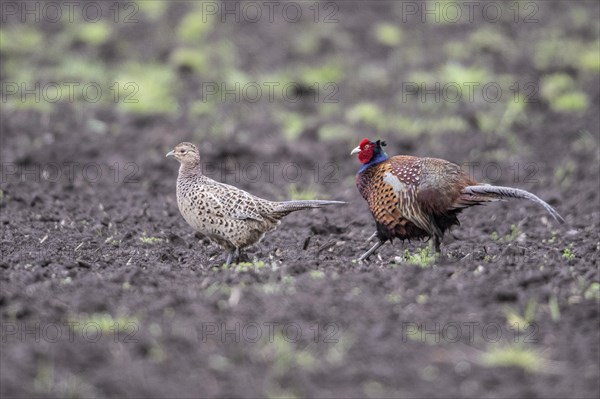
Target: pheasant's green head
[
  {"x": 370, "y": 151},
  {"x": 186, "y": 153}
]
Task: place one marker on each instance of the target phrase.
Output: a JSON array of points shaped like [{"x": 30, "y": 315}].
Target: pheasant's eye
[{"x": 366, "y": 147}]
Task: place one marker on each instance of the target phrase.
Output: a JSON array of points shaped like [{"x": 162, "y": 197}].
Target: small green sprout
[
  {"x": 297, "y": 193},
  {"x": 150, "y": 240},
  {"x": 423, "y": 257},
  {"x": 568, "y": 253},
  {"x": 317, "y": 274},
  {"x": 514, "y": 356},
  {"x": 593, "y": 292},
  {"x": 514, "y": 318},
  {"x": 554, "y": 308}
]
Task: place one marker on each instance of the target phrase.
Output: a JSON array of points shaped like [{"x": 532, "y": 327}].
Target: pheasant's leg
[
  {"x": 243, "y": 256},
  {"x": 437, "y": 234},
  {"x": 236, "y": 255},
  {"x": 229, "y": 256},
  {"x": 373, "y": 236},
  {"x": 370, "y": 252},
  {"x": 436, "y": 243}
]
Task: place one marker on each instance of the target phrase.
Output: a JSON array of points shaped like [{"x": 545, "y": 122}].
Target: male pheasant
[
  {"x": 228, "y": 216},
  {"x": 411, "y": 197}
]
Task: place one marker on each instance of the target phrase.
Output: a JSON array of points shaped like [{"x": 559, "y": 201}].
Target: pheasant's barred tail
[
  {"x": 292, "y": 206},
  {"x": 509, "y": 192}
]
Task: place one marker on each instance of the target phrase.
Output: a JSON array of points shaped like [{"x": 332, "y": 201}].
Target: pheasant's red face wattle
[{"x": 366, "y": 151}]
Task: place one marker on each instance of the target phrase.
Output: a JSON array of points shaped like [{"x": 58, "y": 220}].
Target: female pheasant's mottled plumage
[
  {"x": 230, "y": 217},
  {"x": 411, "y": 197}
]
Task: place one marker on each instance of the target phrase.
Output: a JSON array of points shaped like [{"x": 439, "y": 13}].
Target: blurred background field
[
  {"x": 515, "y": 85},
  {"x": 350, "y": 67}
]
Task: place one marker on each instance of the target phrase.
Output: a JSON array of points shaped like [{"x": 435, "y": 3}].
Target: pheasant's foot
[{"x": 371, "y": 251}]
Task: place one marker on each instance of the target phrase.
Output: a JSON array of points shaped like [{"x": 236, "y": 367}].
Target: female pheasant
[
  {"x": 411, "y": 197},
  {"x": 228, "y": 216}
]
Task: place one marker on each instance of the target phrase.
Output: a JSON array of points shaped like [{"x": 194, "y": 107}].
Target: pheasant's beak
[
  {"x": 170, "y": 154},
  {"x": 355, "y": 151}
]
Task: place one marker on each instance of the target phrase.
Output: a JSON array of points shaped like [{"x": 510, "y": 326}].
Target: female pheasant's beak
[
  {"x": 170, "y": 154},
  {"x": 355, "y": 151}
]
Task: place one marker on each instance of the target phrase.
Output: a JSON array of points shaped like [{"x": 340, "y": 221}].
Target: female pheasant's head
[
  {"x": 186, "y": 153},
  {"x": 370, "y": 152}
]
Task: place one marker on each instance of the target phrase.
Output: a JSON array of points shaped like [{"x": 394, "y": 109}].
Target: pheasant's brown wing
[
  {"x": 442, "y": 188},
  {"x": 441, "y": 184}
]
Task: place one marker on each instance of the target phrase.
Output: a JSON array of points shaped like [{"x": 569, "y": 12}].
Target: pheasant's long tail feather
[
  {"x": 297, "y": 205},
  {"x": 484, "y": 193}
]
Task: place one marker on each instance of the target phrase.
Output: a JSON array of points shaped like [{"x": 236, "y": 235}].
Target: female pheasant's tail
[
  {"x": 485, "y": 193},
  {"x": 297, "y": 205}
]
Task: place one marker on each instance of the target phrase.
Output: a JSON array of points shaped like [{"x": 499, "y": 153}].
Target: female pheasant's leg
[
  {"x": 229, "y": 256},
  {"x": 372, "y": 236},
  {"x": 370, "y": 252},
  {"x": 233, "y": 256}
]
